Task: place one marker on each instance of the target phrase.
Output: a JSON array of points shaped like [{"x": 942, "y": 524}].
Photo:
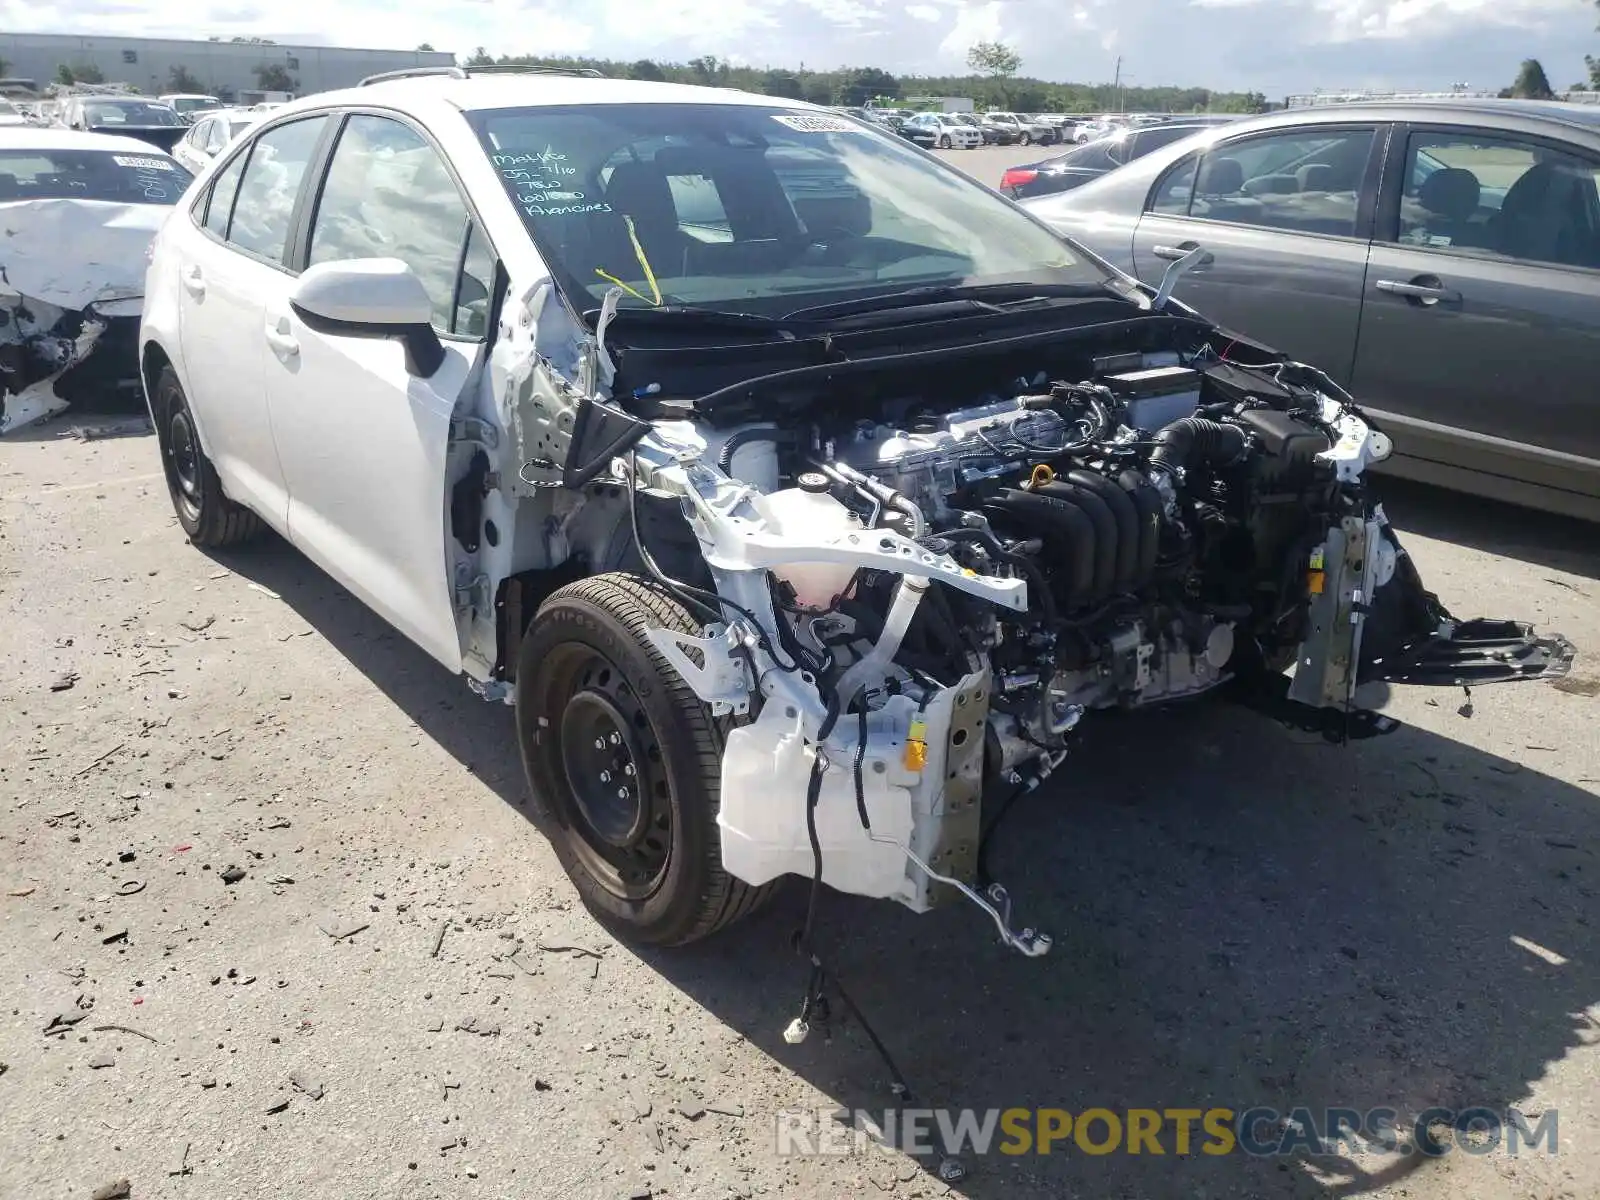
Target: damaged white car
[
  {"x": 803, "y": 495},
  {"x": 77, "y": 212}
]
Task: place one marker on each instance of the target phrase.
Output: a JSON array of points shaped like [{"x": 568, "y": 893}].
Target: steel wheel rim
[
  {"x": 614, "y": 773},
  {"x": 183, "y": 458}
]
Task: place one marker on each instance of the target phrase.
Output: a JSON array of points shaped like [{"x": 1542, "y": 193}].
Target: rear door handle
[
  {"x": 194, "y": 281},
  {"x": 1425, "y": 290},
  {"x": 280, "y": 339},
  {"x": 1175, "y": 253}
]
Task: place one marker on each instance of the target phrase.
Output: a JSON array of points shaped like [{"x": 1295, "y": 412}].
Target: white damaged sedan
[
  {"x": 77, "y": 212},
  {"x": 800, "y": 492}
]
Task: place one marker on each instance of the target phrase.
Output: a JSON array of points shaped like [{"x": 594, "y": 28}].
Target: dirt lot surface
[{"x": 275, "y": 923}]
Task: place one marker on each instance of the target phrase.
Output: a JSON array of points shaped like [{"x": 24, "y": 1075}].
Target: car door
[
  {"x": 1481, "y": 328},
  {"x": 1287, "y": 217},
  {"x": 227, "y": 263},
  {"x": 363, "y": 441},
  {"x": 190, "y": 150}
]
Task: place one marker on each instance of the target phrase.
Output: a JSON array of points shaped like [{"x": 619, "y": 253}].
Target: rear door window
[
  {"x": 271, "y": 184},
  {"x": 1480, "y": 192}
]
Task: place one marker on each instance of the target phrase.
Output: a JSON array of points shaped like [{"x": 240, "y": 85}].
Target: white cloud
[
  {"x": 974, "y": 23},
  {"x": 1274, "y": 46}
]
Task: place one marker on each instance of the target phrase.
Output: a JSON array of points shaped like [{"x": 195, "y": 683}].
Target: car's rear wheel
[
  {"x": 208, "y": 517},
  {"x": 624, "y": 762},
  {"x": 944, "y": 141}
]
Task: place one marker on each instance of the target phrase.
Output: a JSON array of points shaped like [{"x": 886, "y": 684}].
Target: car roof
[
  {"x": 1462, "y": 110},
  {"x": 46, "y": 137},
  {"x": 515, "y": 90}
]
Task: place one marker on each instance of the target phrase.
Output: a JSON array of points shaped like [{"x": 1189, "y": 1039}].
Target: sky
[{"x": 1273, "y": 46}]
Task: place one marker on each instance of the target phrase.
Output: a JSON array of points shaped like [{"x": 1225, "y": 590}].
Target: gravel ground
[
  {"x": 266, "y": 872},
  {"x": 987, "y": 163}
]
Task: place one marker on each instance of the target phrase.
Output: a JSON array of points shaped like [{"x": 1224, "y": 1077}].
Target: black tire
[
  {"x": 207, "y": 516},
  {"x": 649, "y": 864},
  {"x": 944, "y": 141},
  {"x": 1024, "y": 139}
]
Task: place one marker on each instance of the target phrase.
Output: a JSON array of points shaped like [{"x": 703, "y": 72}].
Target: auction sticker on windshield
[
  {"x": 806, "y": 123},
  {"x": 141, "y": 164}
]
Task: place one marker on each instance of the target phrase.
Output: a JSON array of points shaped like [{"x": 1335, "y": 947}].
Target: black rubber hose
[
  {"x": 1147, "y": 503},
  {"x": 1066, "y": 528},
  {"x": 756, "y": 433},
  {"x": 1191, "y": 441},
  {"x": 1105, "y": 531},
  {"x": 1127, "y": 518}
]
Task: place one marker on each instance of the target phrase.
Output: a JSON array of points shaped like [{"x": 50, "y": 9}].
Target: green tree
[
  {"x": 254, "y": 41},
  {"x": 782, "y": 83},
  {"x": 862, "y": 84},
  {"x": 709, "y": 70},
  {"x": 647, "y": 70},
  {"x": 88, "y": 73},
  {"x": 1531, "y": 82},
  {"x": 480, "y": 58},
  {"x": 181, "y": 79},
  {"x": 274, "y": 77},
  {"x": 425, "y": 48},
  {"x": 64, "y": 75},
  {"x": 995, "y": 59}
]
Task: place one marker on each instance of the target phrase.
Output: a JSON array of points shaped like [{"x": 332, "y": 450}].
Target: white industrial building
[{"x": 224, "y": 68}]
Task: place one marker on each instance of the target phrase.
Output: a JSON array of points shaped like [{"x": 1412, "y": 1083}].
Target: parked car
[
  {"x": 210, "y": 134},
  {"x": 1078, "y": 166},
  {"x": 130, "y": 116},
  {"x": 1442, "y": 259},
  {"x": 11, "y": 114},
  {"x": 448, "y": 335},
  {"x": 1019, "y": 130},
  {"x": 989, "y": 134},
  {"x": 79, "y": 210},
  {"x": 1094, "y": 130},
  {"x": 189, "y": 105},
  {"x": 941, "y": 131}
]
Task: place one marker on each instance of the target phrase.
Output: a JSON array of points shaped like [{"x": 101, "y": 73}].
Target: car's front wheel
[
  {"x": 624, "y": 761},
  {"x": 205, "y": 513},
  {"x": 944, "y": 141},
  {"x": 1024, "y": 139}
]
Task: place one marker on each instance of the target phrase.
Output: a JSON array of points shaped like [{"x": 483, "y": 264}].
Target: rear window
[
  {"x": 132, "y": 178},
  {"x": 128, "y": 112}
]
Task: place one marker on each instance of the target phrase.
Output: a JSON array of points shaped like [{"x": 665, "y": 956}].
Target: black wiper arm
[
  {"x": 689, "y": 316},
  {"x": 985, "y": 295}
]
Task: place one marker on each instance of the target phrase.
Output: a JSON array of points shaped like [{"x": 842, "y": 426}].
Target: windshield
[
  {"x": 189, "y": 104},
  {"x": 128, "y": 112},
  {"x": 746, "y": 208},
  {"x": 91, "y": 175}
]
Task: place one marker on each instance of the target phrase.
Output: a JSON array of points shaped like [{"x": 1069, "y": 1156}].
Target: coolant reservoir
[{"x": 808, "y": 511}]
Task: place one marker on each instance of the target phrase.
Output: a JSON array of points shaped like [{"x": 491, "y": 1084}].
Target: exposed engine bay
[{"x": 910, "y": 602}]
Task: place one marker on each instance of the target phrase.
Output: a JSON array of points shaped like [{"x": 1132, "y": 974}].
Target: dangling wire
[{"x": 644, "y": 265}]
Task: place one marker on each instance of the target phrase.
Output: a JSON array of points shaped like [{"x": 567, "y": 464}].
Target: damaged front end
[
  {"x": 921, "y": 607},
  {"x": 71, "y": 287}
]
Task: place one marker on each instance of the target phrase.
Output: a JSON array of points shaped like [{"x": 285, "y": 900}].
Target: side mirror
[{"x": 371, "y": 298}]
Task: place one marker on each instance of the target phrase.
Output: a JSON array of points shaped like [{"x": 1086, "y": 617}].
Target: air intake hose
[{"x": 1195, "y": 441}]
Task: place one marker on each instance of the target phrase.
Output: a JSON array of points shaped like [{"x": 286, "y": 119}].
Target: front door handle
[
  {"x": 280, "y": 339},
  {"x": 194, "y": 281},
  {"x": 1424, "y": 290}
]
